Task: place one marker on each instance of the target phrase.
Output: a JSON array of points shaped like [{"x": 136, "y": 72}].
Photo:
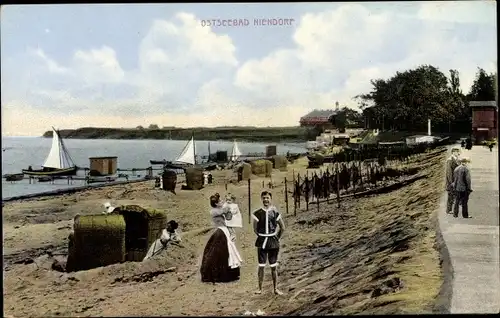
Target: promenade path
[{"x": 473, "y": 244}]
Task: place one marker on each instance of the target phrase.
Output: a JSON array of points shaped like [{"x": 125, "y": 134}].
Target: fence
[
  {"x": 379, "y": 153},
  {"x": 347, "y": 178}
]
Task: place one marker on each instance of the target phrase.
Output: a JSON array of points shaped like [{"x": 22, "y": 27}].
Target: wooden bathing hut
[
  {"x": 221, "y": 156},
  {"x": 244, "y": 171},
  {"x": 103, "y": 166},
  {"x": 279, "y": 162},
  {"x": 262, "y": 167},
  {"x": 125, "y": 235},
  {"x": 169, "y": 180},
  {"x": 194, "y": 178},
  {"x": 271, "y": 150}
]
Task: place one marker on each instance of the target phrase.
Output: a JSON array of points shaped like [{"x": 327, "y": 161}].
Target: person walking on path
[
  {"x": 462, "y": 187},
  {"x": 266, "y": 222},
  {"x": 468, "y": 143},
  {"x": 490, "y": 145},
  {"x": 451, "y": 164}
]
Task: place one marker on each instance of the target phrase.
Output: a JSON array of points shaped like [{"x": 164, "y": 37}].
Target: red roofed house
[
  {"x": 318, "y": 118},
  {"x": 484, "y": 120}
]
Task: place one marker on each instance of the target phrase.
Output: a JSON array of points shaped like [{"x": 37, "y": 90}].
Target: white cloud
[
  {"x": 98, "y": 65},
  {"x": 52, "y": 66},
  {"x": 335, "y": 54},
  {"x": 351, "y": 45},
  {"x": 476, "y": 11}
]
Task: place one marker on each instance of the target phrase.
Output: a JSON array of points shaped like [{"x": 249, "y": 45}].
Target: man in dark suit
[
  {"x": 451, "y": 164},
  {"x": 462, "y": 187}
]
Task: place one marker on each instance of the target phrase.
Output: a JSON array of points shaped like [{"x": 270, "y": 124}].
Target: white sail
[
  {"x": 187, "y": 155},
  {"x": 235, "y": 152},
  {"x": 58, "y": 157}
]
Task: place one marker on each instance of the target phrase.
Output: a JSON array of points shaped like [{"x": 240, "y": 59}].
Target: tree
[
  {"x": 483, "y": 88},
  {"x": 313, "y": 132},
  {"x": 340, "y": 121},
  {"x": 496, "y": 87},
  {"x": 139, "y": 127},
  {"x": 153, "y": 126},
  {"x": 409, "y": 98},
  {"x": 347, "y": 117}
]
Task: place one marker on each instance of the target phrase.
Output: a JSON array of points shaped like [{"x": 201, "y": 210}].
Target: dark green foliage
[
  {"x": 275, "y": 134},
  {"x": 483, "y": 88},
  {"x": 347, "y": 118},
  {"x": 408, "y": 99}
]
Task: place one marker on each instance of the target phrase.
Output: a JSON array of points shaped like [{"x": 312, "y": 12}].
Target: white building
[{"x": 419, "y": 139}]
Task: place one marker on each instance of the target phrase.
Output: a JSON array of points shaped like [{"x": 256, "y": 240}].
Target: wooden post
[
  {"x": 249, "y": 203},
  {"x": 295, "y": 197},
  {"x": 298, "y": 194},
  {"x": 317, "y": 201},
  {"x": 338, "y": 188},
  {"x": 286, "y": 196},
  {"x": 307, "y": 192},
  {"x": 263, "y": 184},
  {"x": 225, "y": 184},
  {"x": 360, "y": 173},
  {"x": 353, "y": 180}
]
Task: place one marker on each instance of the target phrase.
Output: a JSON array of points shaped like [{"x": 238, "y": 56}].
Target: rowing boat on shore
[{"x": 14, "y": 177}]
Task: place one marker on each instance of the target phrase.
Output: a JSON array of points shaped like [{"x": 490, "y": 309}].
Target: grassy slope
[
  {"x": 276, "y": 134},
  {"x": 336, "y": 260}
]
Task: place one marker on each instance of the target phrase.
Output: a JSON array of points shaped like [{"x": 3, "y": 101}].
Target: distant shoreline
[{"x": 250, "y": 134}]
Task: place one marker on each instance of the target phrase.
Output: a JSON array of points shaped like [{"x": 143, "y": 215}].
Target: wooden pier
[{"x": 71, "y": 190}]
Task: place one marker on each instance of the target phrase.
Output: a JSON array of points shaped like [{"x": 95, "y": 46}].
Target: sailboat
[
  {"x": 188, "y": 154},
  {"x": 235, "y": 152},
  {"x": 58, "y": 162},
  {"x": 186, "y": 159}
]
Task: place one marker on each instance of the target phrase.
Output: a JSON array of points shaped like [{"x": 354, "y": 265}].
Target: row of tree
[{"x": 408, "y": 99}]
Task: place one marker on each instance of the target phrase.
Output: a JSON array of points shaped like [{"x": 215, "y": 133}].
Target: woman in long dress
[{"x": 221, "y": 260}]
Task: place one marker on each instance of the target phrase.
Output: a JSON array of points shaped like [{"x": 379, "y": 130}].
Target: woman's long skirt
[{"x": 215, "y": 263}]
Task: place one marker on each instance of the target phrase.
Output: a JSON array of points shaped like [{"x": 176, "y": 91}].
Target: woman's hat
[{"x": 108, "y": 207}]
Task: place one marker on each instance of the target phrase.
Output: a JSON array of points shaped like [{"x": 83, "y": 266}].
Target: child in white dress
[{"x": 232, "y": 215}]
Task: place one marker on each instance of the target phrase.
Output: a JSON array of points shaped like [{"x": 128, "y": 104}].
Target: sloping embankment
[{"x": 374, "y": 255}]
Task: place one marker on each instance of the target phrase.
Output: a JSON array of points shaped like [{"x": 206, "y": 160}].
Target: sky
[{"x": 125, "y": 65}]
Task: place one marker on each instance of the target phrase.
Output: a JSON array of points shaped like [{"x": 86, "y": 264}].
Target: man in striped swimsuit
[{"x": 266, "y": 222}]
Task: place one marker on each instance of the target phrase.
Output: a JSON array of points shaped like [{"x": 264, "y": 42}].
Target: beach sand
[{"x": 373, "y": 255}]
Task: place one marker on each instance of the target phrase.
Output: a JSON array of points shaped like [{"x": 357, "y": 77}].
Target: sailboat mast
[
  {"x": 209, "y": 151},
  {"x": 194, "y": 147}
]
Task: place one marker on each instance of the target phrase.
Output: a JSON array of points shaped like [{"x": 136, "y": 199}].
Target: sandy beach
[{"x": 373, "y": 255}]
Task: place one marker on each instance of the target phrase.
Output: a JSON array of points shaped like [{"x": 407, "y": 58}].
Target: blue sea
[{"x": 21, "y": 152}]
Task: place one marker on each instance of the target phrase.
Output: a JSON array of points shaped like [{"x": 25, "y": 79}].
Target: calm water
[{"x": 25, "y": 151}]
